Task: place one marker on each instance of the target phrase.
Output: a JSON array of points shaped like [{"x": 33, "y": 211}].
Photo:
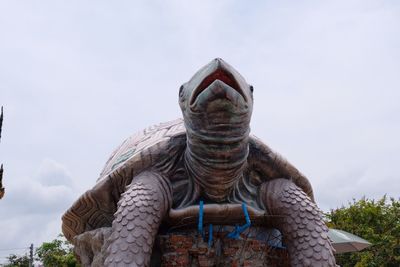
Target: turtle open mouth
[{"x": 221, "y": 75}]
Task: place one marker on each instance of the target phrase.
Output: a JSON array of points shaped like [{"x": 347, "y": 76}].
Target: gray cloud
[
  {"x": 52, "y": 174},
  {"x": 32, "y": 206}
]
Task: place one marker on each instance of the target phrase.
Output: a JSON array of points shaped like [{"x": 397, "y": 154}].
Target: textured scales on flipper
[
  {"x": 304, "y": 231},
  {"x": 141, "y": 210}
]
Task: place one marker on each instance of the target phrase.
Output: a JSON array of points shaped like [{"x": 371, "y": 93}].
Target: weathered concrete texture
[
  {"x": 89, "y": 246},
  {"x": 180, "y": 250}
]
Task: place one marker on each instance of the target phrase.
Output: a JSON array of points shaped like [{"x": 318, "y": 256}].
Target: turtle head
[
  {"x": 215, "y": 98},
  {"x": 216, "y": 105}
]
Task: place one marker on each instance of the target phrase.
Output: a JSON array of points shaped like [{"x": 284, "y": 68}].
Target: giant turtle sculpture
[{"x": 158, "y": 176}]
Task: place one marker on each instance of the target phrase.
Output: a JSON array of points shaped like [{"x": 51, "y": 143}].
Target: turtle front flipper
[
  {"x": 304, "y": 231},
  {"x": 141, "y": 209}
]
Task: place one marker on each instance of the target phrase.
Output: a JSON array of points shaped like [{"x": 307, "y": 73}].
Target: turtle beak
[{"x": 219, "y": 74}]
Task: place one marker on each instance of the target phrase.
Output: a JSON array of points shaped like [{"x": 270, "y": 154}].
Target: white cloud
[{"x": 76, "y": 78}]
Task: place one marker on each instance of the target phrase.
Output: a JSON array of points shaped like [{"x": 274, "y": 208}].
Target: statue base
[{"x": 190, "y": 249}]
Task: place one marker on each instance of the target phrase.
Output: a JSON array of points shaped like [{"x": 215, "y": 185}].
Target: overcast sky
[{"x": 78, "y": 77}]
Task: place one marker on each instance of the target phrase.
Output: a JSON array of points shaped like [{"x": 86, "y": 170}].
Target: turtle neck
[{"x": 215, "y": 158}]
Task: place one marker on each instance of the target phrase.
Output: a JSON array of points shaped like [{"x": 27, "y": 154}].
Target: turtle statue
[{"x": 156, "y": 179}]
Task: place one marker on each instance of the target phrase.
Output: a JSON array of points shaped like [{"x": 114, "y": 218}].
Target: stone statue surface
[{"x": 155, "y": 180}]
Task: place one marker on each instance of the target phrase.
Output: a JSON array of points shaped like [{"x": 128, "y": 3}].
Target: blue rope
[
  {"x": 239, "y": 229},
  {"x": 200, "y": 225},
  {"x": 235, "y": 234},
  {"x": 246, "y": 215},
  {"x": 210, "y": 235}
]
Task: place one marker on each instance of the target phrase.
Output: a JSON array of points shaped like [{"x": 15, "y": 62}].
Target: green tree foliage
[
  {"x": 17, "y": 261},
  {"x": 57, "y": 253},
  {"x": 376, "y": 221}
]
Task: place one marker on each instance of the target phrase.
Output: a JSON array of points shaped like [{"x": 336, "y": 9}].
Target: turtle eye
[
  {"x": 181, "y": 91},
  {"x": 251, "y": 88}
]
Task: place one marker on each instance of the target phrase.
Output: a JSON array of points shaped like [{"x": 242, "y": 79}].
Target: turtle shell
[{"x": 158, "y": 143}]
